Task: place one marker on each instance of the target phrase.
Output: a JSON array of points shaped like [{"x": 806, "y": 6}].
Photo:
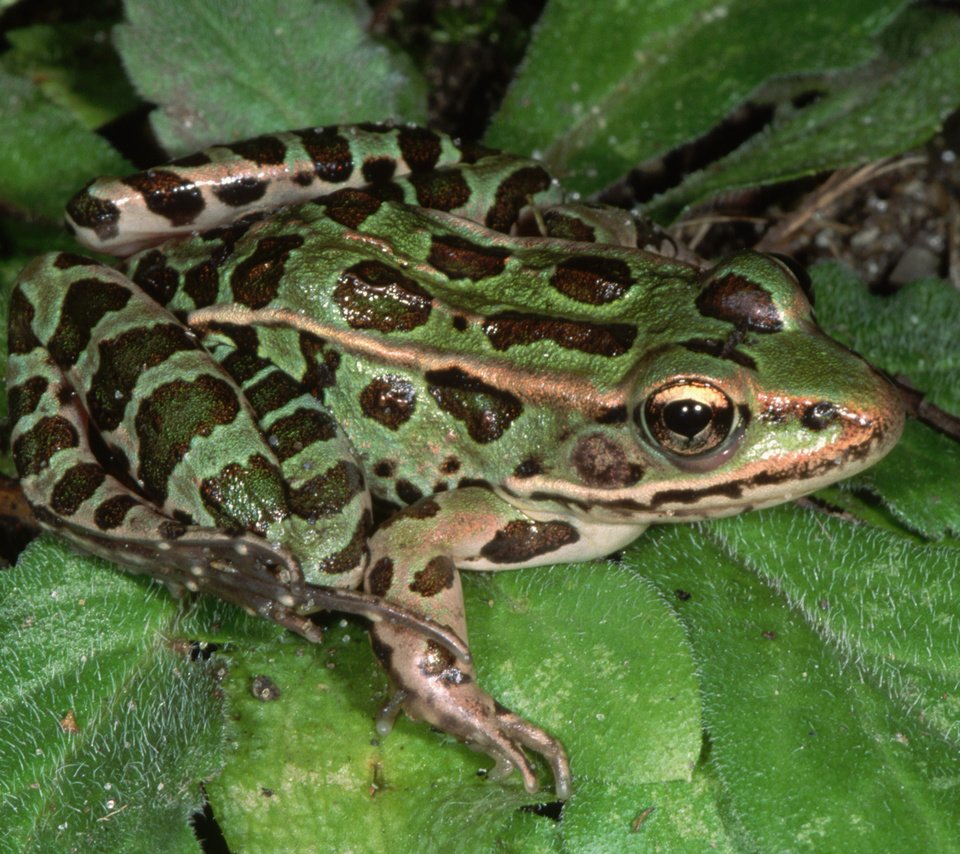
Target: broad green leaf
[
  {"x": 813, "y": 748},
  {"x": 75, "y": 66},
  {"x": 866, "y": 114},
  {"x": 46, "y": 154},
  {"x": 588, "y": 652},
  {"x": 604, "y": 89},
  {"x": 674, "y": 816},
  {"x": 105, "y": 730},
  {"x": 221, "y": 71}
]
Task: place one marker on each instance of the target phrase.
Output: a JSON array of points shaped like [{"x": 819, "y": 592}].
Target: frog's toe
[{"x": 437, "y": 688}]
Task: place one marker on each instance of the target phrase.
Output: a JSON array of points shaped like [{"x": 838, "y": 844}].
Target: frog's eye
[{"x": 687, "y": 418}]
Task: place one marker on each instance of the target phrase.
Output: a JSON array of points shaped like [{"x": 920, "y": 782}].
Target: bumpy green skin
[{"x": 362, "y": 328}]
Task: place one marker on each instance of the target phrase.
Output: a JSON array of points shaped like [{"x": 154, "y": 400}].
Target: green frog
[{"x": 372, "y": 356}]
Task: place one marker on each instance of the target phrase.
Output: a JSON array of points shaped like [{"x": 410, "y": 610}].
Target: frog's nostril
[{"x": 819, "y": 415}]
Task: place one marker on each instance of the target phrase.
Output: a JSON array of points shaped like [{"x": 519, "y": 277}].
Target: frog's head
[{"x": 750, "y": 405}]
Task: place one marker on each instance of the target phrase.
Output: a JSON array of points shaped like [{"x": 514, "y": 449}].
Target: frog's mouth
[{"x": 754, "y": 479}]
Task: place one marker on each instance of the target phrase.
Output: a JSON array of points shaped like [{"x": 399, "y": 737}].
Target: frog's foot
[{"x": 435, "y": 687}]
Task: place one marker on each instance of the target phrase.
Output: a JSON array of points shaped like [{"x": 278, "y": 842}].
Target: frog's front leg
[{"x": 414, "y": 560}]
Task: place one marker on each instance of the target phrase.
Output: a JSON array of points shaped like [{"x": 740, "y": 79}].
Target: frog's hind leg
[
  {"x": 414, "y": 557},
  {"x": 82, "y": 486}
]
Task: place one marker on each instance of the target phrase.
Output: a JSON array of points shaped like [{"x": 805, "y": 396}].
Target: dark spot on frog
[
  {"x": 303, "y": 179},
  {"x": 408, "y": 492},
  {"x": 169, "y": 195},
  {"x": 85, "y": 304},
  {"x": 25, "y": 398},
  {"x": 182, "y": 517},
  {"x": 820, "y": 415},
  {"x": 321, "y": 373},
  {"x": 241, "y": 191},
  {"x": 425, "y": 509},
  {"x": 271, "y": 392},
  {"x": 329, "y": 151},
  {"x": 264, "y": 688},
  {"x": 256, "y": 279},
  {"x": 443, "y": 190},
  {"x": 75, "y": 486},
  {"x": 612, "y": 415},
  {"x": 66, "y": 260},
  {"x": 513, "y": 194},
  {"x": 156, "y": 277},
  {"x": 99, "y": 215},
  {"x": 389, "y": 400},
  {"x": 191, "y": 161},
  {"x": 380, "y": 577},
  {"x": 592, "y": 280},
  {"x": 520, "y": 541},
  {"x": 329, "y": 493},
  {"x": 374, "y": 295},
  {"x": 601, "y": 461},
  {"x": 458, "y": 258},
  {"x": 263, "y": 150},
  {"x": 440, "y": 486},
  {"x": 171, "y": 530},
  {"x": 460, "y": 323},
  {"x": 123, "y": 359},
  {"x": 438, "y": 575},
  {"x": 201, "y": 283},
  {"x": 528, "y": 468},
  {"x": 769, "y": 634},
  {"x": 300, "y": 429},
  {"x": 419, "y": 147},
  {"x": 111, "y": 513},
  {"x": 350, "y": 207},
  {"x": 486, "y": 411},
  {"x": 742, "y": 302},
  {"x": 384, "y": 468},
  {"x": 451, "y": 465},
  {"x": 682, "y": 595},
  {"x": 248, "y": 495},
  {"x": 267, "y": 793},
  {"x": 171, "y": 418},
  {"x": 354, "y": 552},
  {"x": 568, "y": 227},
  {"x": 437, "y": 660},
  {"x": 378, "y": 169},
  {"x": 33, "y": 450},
  {"x": 511, "y": 328},
  {"x": 20, "y": 335}
]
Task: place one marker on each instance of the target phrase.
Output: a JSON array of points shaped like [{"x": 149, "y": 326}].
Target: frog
[{"x": 334, "y": 368}]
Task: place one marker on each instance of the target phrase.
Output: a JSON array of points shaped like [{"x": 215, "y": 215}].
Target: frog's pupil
[{"x": 687, "y": 417}]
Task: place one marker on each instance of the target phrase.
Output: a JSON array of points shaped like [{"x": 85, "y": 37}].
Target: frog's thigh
[
  {"x": 62, "y": 310},
  {"x": 330, "y": 519}
]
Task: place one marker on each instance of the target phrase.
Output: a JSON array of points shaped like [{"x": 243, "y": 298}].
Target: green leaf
[
  {"x": 220, "y": 72},
  {"x": 601, "y": 92},
  {"x": 820, "y": 678},
  {"x": 627, "y": 718},
  {"x": 75, "y": 66},
  {"x": 46, "y": 154},
  {"x": 106, "y": 731},
  {"x": 888, "y": 106}
]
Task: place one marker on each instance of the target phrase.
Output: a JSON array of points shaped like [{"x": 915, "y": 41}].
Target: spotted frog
[{"x": 373, "y": 356}]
